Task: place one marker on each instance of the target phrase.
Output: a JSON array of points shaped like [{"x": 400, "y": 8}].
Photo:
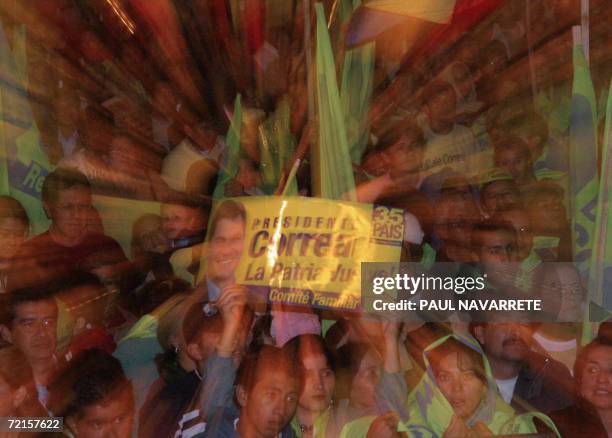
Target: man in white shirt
[
  {"x": 526, "y": 379},
  {"x": 449, "y": 145}
]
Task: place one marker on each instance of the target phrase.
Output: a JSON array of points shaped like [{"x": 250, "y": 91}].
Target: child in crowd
[{"x": 94, "y": 397}]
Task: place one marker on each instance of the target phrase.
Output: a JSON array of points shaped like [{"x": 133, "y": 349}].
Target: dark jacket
[
  {"x": 544, "y": 385},
  {"x": 214, "y": 393},
  {"x": 165, "y": 405},
  {"x": 223, "y": 425},
  {"x": 579, "y": 421}
]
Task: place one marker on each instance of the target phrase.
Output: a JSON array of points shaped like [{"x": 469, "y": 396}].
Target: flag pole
[
  {"x": 315, "y": 156},
  {"x": 308, "y": 54}
]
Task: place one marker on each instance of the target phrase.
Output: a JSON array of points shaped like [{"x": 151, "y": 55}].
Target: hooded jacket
[{"x": 431, "y": 414}]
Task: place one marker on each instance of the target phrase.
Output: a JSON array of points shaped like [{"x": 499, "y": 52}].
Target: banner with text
[{"x": 308, "y": 251}]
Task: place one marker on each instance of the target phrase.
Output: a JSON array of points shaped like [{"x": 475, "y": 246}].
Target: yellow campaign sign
[{"x": 309, "y": 251}]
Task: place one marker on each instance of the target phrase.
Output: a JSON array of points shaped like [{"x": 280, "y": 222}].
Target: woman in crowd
[
  {"x": 591, "y": 416},
  {"x": 150, "y": 336},
  {"x": 458, "y": 396},
  {"x": 169, "y": 395},
  {"x": 358, "y": 371},
  {"x": 371, "y": 386},
  {"x": 315, "y": 402},
  {"x": 197, "y": 379}
]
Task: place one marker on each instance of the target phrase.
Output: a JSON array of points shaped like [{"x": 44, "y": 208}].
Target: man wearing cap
[{"x": 498, "y": 191}]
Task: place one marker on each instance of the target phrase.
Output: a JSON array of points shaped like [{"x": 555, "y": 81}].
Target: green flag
[
  {"x": 583, "y": 161},
  {"x": 276, "y": 147},
  {"x": 229, "y": 167},
  {"x": 23, "y": 162},
  {"x": 334, "y": 170},
  {"x": 600, "y": 273},
  {"x": 356, "y": 92}
]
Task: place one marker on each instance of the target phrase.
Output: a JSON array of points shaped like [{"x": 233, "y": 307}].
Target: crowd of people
[
  {"x": 140, "y": 328},
  {"x": 120, "y": 347}
]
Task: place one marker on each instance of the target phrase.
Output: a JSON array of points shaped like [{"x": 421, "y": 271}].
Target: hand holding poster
[{"x": 307, "y": 251}]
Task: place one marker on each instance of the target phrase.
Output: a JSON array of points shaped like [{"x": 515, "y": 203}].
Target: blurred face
[
  {"x": 441, "y": 106},
  {"x": 562, "y": 291},
  {"x": 271, "y": 403},
  {"x": 497, "y": 256},
  {"x": 319, "y": 383},
  {"x": 547, "y": 212},
  {"x": 536, "y": 146},
  {"x": 496, "y": 247},
  {"x": 455, "y": 231},
  {"x": 181, "y": 221},
  {"x": 458, "y": 381},
  {"x": 110, "y": 419},
  {"x": 515, "y": 162},
  {"x": 524, "y": 235},
  {"x": 204, "y": 345},
  {"x": 71, "y": 212},
  {"x": 13, "y": 233},
  {"x": 225, "y": 249},
  {"x": 33, "y": 330},
  {"x": 572, "y": 294},
  {"x": 596, "y": 385},
  {"x": 505, "y": 341},
  {"x": 462, "y": 79},
  {"x": 149, "y": 237},
  {"x": 499, "y": 195},
  {"x": 363, "y": 391},
  {"x": 460, "y": 213}
]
